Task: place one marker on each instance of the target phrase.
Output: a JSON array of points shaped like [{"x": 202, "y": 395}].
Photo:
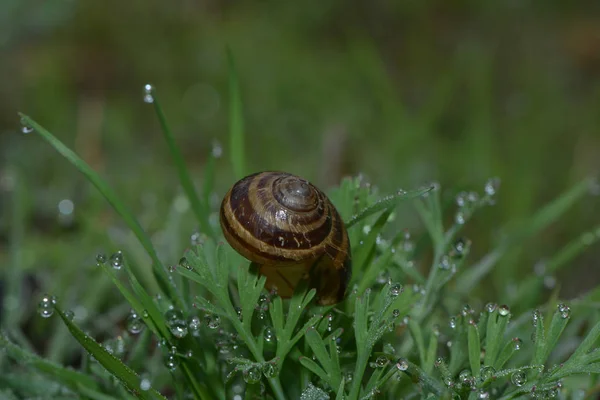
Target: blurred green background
[{"x": 404, "y": 92}]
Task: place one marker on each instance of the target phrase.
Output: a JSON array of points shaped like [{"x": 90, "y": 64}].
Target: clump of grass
[{"x": 214, "y": 332}]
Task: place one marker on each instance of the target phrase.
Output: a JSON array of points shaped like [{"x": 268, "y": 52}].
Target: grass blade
[
  {"x": 111, "y": 197},
  {"x": 200, "y": 209},
  {"x": 236, "y": 121},
  {"x": 516, "y": 237},
  {"x": 474, "y": 349},
  {"x": 385, "y": 203},
  {"x": 116, "y": 367}
]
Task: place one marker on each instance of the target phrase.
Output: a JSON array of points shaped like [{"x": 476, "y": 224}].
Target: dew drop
[
  {"x": 491, "y": 307},
  {"x": 472, "y": 197},
  {"x": 269, "y": 370},
  {"x": 395, "y": 313},
  {"x": 461, "y": 199},
  {"x": 466, "y": 310},
  {"x": 549, "y": 282},
  {"x": 401, "y": 364},
  {"x": 171, "y": 362},
  {"x": 197, "y": 239},
  {"x": 212, "y": 321},
  {"x": 25, "y": 126},
  {"x": 69, "y": 315},
  {"x": 238, "y": 311},
  {"x": 503, "y": 310},
  {"x": 176, "y": 323},
  {"x": 452, "y": 322},
  {"x": 381, "y": 361},
  {"x": 444, "y": 263},
  {"x": 564, "y": 310},
  {"x": 518, "y": 378},
  {"x": 116, "y": 260},
  {"x": 217, "y": 149},
  {"x": 46, "y": 306},
  {"x": 517, "y": 343},
  {"x": 461, "y": 246},
  {"x": 535, "y": 317},
  {"x": 465, "y": 377},
  {"x": 395, "y": 290},
  {"x": 487, "y": 373},
  {"x": 269, "y": 335},
  {"x": 459, "y": 218},
  {"x": 194, "y": 325},
  {"x": 483, "y": 394},
  {"x": 183, "y": 262},
  {"x": 491, "y": 186},
  {"x": 145, "y": 384},
  {"x": 101, "y": 259},
  {"x": 252, "y": 375},
  {"x": 148, "y": 93},
  {"x": 134, "y": 323}
]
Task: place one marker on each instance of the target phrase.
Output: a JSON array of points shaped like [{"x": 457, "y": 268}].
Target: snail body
[{"x": 291, "y": 230}]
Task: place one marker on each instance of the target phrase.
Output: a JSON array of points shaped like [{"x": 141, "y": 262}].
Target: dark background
[{"x": 404, "y": 92}]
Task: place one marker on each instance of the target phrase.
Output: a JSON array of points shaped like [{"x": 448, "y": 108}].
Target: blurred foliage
[{"x": 402, "y": 92}]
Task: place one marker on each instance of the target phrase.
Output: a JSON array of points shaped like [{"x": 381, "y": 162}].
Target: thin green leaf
[
  {"x": 474, "y": 349},
  {"x": 198, "y": 207},
  {"x": 539, "y": 339},
  {"x": 116, "y": 367},
  {"x": 111, "y": 197},
  {"x": 588, "y": 343},
  {"x": 236, "y": 121},
  {"x": 66, "y": 376},
  {"x": 417, "y": 335},
  {"x": 385, "y": 203},
  {"x": 541, "y": 219}
]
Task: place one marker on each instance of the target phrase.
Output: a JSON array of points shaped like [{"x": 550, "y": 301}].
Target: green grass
[{"x": 210, "y": 330}]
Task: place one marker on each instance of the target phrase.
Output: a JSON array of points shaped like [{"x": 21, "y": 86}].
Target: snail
[{"x": 292, "y": 231}]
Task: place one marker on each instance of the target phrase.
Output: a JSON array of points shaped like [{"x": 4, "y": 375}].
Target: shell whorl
[{"x": 279, "y": 219}]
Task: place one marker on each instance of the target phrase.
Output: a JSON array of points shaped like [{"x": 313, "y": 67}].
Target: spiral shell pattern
[{"x": 290, "y": 228}]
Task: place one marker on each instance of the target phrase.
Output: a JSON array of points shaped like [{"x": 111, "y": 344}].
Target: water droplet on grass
[
  {"x": 69, "y": 315},
  {"x": 401, "y": 364},
  {"x": 395, "y": 290},
  {"x": 46, "y": 306},
  {"x": 145, "y": 384},
  {"x": 148, "y": 93},
  {"x": 217, "y": 149},
  {"x": 101, "y": 259},
  {"x": 183, "y": 262},
  {"x": 452, "y": 322},
  {"x": 212, "y": 321},
  {"x": 491, "y": 307},
  {"x": 504, "y": 310},
  {"x": 459, "y": 218},
  {"x": 564, "y": 310},
  {"x": 176, "y": 323},
  {"x": 134, "y": 323},
  {"x": 171, "y": 362},
  {"x": 269, "y": 335},
  {"x": 269, "y": 370},
  {"x": 116, "y": 260},
  {"x": 252, "y": 375},
  {"x": 25, "y": 126},
  {"x": 491, "y": 186},
  {"x": 518, "y": 378}
]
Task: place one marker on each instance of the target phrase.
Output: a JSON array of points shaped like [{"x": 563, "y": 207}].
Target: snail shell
[{"x": 289, "y": 228}]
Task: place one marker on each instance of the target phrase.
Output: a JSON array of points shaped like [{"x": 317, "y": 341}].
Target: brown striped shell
[{"x": 291, "y": 230}]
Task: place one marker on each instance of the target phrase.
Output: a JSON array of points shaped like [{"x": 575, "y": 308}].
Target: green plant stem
[
  {"x": 201, "y": 210},
  {"x": 359, "y": 371},
  {"x": 253, "y": 347},
  {"x": 161, "y": 273}
]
